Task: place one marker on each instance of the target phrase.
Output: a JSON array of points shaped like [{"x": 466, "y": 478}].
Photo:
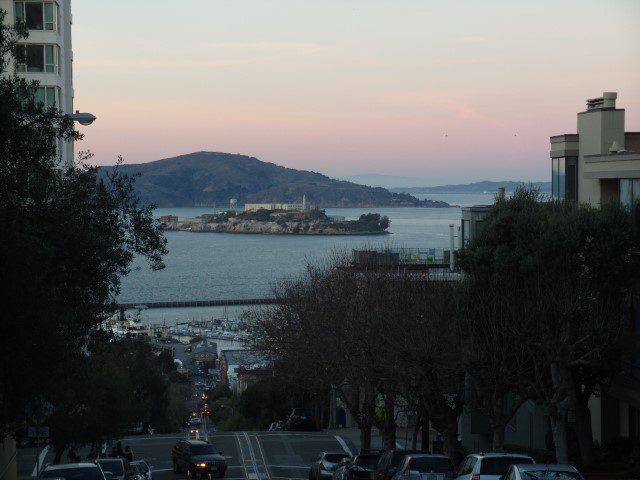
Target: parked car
[
  {"x": 74, "y": 471},
  {"x": 119, "y": 467},
  {"x": 542, "y": 472},
  {"x": 489, "y": 466},
  {"x": 361, "y": 467},
  {"x": 340, "y": 468},
  {"x": 326, "y": 463},
  {"x": 198, "y": 459},
  {"x": 300, "y": 420},
  {"x": 145, "y": 468},
  {"x": 424, "y": 466},
  {"x": 389, "y": 463}
]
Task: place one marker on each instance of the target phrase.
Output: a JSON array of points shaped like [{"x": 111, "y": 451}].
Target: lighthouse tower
[{"x": 304, "y": 202}]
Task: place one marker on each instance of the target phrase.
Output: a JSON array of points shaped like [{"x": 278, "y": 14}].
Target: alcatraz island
[{"x": 279, "y": 219}]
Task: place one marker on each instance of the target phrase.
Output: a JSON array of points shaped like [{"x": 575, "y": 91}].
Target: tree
[
  {"x": 497, "y": 370},
  {"x": 576, "y": 268},
  {"x": 68, "y": 238}
]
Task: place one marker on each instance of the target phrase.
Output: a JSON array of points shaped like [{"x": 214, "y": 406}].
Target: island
[
  {"x": 279, "y": 222},
  {"x": 210, "y": 179}
]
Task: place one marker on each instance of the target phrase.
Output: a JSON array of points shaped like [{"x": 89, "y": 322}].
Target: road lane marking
[
  {"x": 161, "y": 470},
  {"x": 241, "y": 454},
  {"x": 343, "y": 444}
]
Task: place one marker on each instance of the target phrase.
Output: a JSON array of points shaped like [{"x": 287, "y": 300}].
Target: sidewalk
[{"x": 352, "y": 434}]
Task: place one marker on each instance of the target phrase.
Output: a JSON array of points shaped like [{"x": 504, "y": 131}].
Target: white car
[
  {"x": 75, "y": 471},
  {"x": 489, "y": 466},
  {"x": 542, "y": 472}
]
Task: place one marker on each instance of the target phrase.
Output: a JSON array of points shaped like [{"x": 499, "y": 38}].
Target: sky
[{"x": 449, "y": 91}]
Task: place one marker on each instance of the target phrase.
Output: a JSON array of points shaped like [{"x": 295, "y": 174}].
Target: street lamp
[{"x": 83, "y": 118}]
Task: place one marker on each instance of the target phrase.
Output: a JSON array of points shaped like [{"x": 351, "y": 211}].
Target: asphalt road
[{"x": 250, "y": 455}]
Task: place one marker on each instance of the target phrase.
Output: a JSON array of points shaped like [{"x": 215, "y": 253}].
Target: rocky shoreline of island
[{"x": 278, "y": 222}]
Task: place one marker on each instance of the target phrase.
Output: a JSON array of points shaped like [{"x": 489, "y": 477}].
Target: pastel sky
[{"x": 445, "y": 90}]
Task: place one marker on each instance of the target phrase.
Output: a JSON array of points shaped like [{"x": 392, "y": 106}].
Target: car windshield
[
  {"x": 431, "y": 465},
  {"x": 203, "y": 450},
  {"x": 551, "y": 475},
  {"x": 499, "y": 465},
  {"x": 335, "y": 457},
  {"x": 113, "y": 466},
  {"x": 85, "y": 473},
  {"x": 369, "y": 461}
]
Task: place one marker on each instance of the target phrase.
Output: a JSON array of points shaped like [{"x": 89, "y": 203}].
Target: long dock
[{"x": 199, "y": 303}]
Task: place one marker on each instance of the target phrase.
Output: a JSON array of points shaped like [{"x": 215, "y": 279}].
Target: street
[{"x": 250, "y": 455}]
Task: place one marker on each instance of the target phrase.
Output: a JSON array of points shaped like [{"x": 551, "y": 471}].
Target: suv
[
  {"x": 389, "y": 463},
  {"x": 324, "y": 466},
  {"x": 198, "y": 459},
  {"x": 489, "y": 466},
  {"x": 300, "y": 420},
  {"x": 74, "y": 471}
]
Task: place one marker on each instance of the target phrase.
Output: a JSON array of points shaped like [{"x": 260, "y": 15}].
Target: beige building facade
[
  {"x": 49, "y": 57},
  {"x": 601, "y": 162}
]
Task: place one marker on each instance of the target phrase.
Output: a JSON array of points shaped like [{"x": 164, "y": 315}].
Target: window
[
  {"x": 39, "y": 58},
  {"x": 466, "y": 232},
  {"x": 48, "y": 96},
  {"x": 37, "y": 15},
  {"x": 564, "y": 178},
  {"x": 629, "y": 191}
]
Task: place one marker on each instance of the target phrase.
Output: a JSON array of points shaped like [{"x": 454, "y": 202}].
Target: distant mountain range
[
  {"x": 477, "y": 187},
  {"x": 205, "y": 178}
]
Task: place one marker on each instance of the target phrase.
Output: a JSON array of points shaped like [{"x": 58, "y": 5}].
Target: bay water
[{"x": 212, "y": 266}]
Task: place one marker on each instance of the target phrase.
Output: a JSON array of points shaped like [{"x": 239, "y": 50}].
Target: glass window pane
[
  {"x": 561, "y": 177},
  {"x": 35, "y": 58},
  {"x": 554, "y": 177},
  {"x": 39, "y": 95},
  {"x": 51, "y": 96},
  {"x": 636, "y": 190},
  {"x": 19, "y": 11},
  {"x": 48, "y": 16},
  {"x": 35, "y": 20},
  {"x": 49, "y": 58},
  {"x": 626, "y": 192}
]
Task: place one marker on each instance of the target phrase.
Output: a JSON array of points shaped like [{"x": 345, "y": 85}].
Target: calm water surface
[{"x": 203, "y": 266}]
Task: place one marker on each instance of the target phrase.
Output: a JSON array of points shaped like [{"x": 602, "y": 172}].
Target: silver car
[
  {"x": 424, "y": 466},
  {"x": 542, "y": 472},
  {"x": 489, "y": 466},
  {"x": 323, "y": 467}
]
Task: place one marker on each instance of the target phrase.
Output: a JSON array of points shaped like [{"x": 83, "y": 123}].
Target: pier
[{"x": 198, "y": 303}]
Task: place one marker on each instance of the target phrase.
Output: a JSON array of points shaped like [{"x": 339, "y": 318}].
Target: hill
[
  {"x": 477, "y": 187},
  {"x": 204, "y": 178}
]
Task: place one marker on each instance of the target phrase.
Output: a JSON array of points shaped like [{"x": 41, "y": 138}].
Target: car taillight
[
  {"x": 295, "y": 417},
  {"x": 322, "y": 467},
  {"x": 407, "y": 469},
  {"x": 475, "y": 476}
]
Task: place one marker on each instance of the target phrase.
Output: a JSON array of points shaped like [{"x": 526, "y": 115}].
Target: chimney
[
  {"x": 500, "y": 193},
  {"x": 609, "y": 99}
]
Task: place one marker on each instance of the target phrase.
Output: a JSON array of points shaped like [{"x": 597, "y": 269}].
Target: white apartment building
[{"x": 49, "y": 57}]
